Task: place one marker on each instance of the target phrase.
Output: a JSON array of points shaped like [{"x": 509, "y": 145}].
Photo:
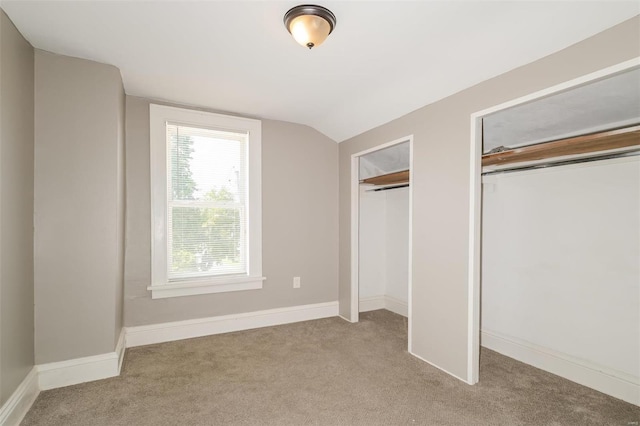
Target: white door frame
[
  {"x": 355, "y": 225},
  {"x": 475, "y": 200}
]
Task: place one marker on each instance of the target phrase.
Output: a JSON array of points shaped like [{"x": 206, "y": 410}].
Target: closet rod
[
  {"x": 386, "y": 188},
  {"x": 565, "y": 162}
]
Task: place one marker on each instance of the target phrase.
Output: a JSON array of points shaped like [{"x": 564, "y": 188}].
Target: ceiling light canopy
[{"x": 310, "y": 24}]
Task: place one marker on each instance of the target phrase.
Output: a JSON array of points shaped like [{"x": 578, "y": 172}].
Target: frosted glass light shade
[
  {"x": 309, "y": 30},
  {"x": 309, "y": 25}
]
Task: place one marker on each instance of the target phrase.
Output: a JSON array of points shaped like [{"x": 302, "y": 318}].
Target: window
[{"x": 205, "y": 201}]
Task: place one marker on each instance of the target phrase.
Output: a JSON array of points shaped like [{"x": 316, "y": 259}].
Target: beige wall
[
  {"x": 16, "y": 208},
  {"x": 78, "y": 107},
  {"x": 299, "y": 222},
  {"x": 441, "y": 188}
]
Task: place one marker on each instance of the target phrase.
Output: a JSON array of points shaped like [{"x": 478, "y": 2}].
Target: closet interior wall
[
  {"x": 561, "y": 271},
  {"x": 560, "y": 261},
  {"x": 384, "y": 249}
]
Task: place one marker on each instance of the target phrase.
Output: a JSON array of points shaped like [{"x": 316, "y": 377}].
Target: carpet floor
[{"x": 323, "y": 372}]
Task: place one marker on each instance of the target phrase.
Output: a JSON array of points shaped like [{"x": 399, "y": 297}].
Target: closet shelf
[
  {"x": 388, "y": 179},
  {"x": 612, "y": 139}
]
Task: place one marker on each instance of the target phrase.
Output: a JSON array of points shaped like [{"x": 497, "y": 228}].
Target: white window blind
[{"x": 206, "y": 202}]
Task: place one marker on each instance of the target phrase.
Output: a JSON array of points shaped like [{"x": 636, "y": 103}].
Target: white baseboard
[
  {"x": 178, "y": 330},
  {"x": 80, "y": 370},
  {"x": 398, "y": 306},
  {"x": 371, "y": 303},
  {"x": 617, "y": 384},
  {"x": 16, "y": 407},
  {"x": 384, "y": 302}
]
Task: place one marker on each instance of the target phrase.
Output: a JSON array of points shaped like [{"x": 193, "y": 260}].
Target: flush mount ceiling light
[{"x": 309, "y": 24}]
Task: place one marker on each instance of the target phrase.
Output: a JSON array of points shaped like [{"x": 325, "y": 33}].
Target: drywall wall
[
  {"x": 78, "y": 107},
  {"x": 387, "y": 160},
  {"x": 299, "y": 225},
  {"x": 384, "y": 243},
  {"x": 372, "y": 263},
  {"x": 560, "y": 261},
  {"x": 441, "y": 189},
  {"x": 16, "y": 208},
  {"x": 397, "y": 230},
  {"x": 605, "y": 104}
]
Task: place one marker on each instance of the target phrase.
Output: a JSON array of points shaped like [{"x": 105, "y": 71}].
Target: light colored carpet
[{"x": 324, "y": 372}]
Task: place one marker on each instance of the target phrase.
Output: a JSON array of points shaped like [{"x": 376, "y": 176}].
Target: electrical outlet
[{"x": 296, "y": 282}]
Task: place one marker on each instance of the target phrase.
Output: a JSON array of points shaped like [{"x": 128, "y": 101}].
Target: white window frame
[{"x": 159, "y": 116}]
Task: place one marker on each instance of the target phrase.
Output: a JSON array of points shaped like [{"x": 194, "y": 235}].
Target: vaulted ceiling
[{"x": 384, "y": 59}]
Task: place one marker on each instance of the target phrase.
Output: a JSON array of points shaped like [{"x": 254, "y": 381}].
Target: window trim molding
[{"x": 160, "y": 286}]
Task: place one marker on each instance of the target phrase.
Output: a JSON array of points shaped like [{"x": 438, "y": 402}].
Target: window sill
[{"x": 213, "y": 285}]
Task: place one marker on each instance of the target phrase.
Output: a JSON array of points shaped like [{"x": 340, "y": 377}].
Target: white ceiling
[
  {"x": 384, "y": 59},
  {"x": 605, "y": 104}
]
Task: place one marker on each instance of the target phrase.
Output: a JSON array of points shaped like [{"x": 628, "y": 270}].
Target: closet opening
[
  {"x": 554, "y": 279},
  {"x": 381, "y": 229}
]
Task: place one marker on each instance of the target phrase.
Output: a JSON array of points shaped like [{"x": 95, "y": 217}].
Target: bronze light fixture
[{"x": 309, "y": 24}]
